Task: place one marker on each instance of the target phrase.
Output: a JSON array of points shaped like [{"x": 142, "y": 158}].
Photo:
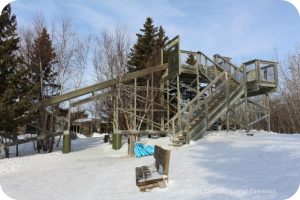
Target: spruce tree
[
  {"x": 44, "y": 76},
  {"x": 16, "y": 102},
  {"x": 8, "y": 47},
  {"x": 161, "y": 38},
  {"x": 43, "y": 60},
  {"x": 149, "y": 42}
]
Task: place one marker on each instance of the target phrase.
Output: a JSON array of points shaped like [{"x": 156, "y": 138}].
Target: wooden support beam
[
  {"x": 92, "y": 98},
  {"x": 143, "y": 132},
  {"x": 227, "y": 100},
  {"x": 135, "y": 104},
  {"x": 140, "y": 88},
  {"x": 155, "y": 124},
  {"x": 116, "y": 119},
  {"x": 234, "y": 106},
  {"x": 189, "y": 87},
  {"x": 178, "y": 101},
  {"x": 152, "y": 100},
  {"x": 198, "y": 59},
  {"x": 168, "y": 103},
  {"x": 143, "y": 99},
  {"x": 258, "y": 120},
  {"x": 269, "y": 113},
  {"x": 246, "y": 99},
  {"x": 258, "y": 105},
  {"x": 100, "y": 86},
  {"x": 162, "y": 101},
  {"x": 143, "y": 110}
]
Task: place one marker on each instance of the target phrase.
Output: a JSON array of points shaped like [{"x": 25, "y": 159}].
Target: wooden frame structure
[{"x": 186, "y": 94}]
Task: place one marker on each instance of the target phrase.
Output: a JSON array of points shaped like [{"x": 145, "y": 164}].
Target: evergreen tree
[
  {"x": 161, "y": 38},
  {"x": 8, "y": 47},
  {"x": 149, "y": 42},
  {"x": 42, "y": 65},
  {"x": 43, "y": 59},
  {"x": 16, "y": 103}
]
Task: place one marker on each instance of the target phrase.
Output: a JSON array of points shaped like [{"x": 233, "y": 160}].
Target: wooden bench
[{"x": 155, "y": 175}]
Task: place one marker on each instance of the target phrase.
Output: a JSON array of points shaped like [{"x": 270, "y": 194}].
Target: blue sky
[{"x": 242, "y": 29}]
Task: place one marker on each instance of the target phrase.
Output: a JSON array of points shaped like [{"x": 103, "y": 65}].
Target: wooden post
[
  {"x": 152, "y": 101},
  {"x": 246, "y": 99},
  {"x": 116, "y": 144},
  {"x": 276, "y": 73},
  {"x": 117, "y": 107},
  {"x": 17, "y": 145},
  {"x": 227, "y": 99},
  {"x": 197, "y": 72},
  {"x": 178, "y": 101},
  {"x": 131, "y": 144},
  {"x": 269, "y": 113},
  {"x": 67, "y": 136},
  {"x": 117, "y": 141},
  {"x": 205, "y": 68},
  {"x": 135, "y": 97},
  {"x": 215, "y": 69},
  {"x": 162, "y": 99},
  {"x": 162, "y": 92},
  {"x": 173, "y": 129},
  {"x": 206, "y": 113},
  {"x": 168, "y": 103},
  {"x": 187, "y": 127},
  {"x": 258, "y": 78}
]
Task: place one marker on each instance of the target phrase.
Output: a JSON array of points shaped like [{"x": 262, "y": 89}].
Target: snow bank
[{"x": 220, "y": 166}]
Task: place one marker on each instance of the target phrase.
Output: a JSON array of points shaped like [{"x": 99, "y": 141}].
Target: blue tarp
[{"x": 141, "y": 150}]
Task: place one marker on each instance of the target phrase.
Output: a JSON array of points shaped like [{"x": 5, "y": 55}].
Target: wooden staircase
[{"x": 224, "y": 89}]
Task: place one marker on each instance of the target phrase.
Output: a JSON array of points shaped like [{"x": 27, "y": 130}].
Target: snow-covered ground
[{"x": 220, "y": 166}]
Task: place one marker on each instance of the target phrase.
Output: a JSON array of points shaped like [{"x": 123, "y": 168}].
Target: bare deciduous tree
[
  {"x": 81, "y": 55},
  {"x": 65, "y": 46},
  {"x": 285, "y": 106},
  {"x": 110, "y": 54},
  {"x": 26, "y": 43}
]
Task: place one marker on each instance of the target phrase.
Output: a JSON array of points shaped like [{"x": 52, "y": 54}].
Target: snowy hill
[{"x": 220, "y": 166}]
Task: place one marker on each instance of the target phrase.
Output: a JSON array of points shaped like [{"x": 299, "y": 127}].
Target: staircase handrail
[
  {"x": 225, "y": 60},
  {"x": 196, "y": 98},
  {"x": 216, "y": 64}
]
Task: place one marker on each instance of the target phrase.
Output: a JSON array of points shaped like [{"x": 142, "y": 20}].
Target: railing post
[
  {"x": 173, "y": 129},
  {"x": 227, "y": 100},
  {"x": 216, "y": 62},
  {"x": 205, "y": 68},
  {"x": 258, "y": 78},
  {"x": 197, "y": 72},
  {"x": 206, "y": 113},
  {"x": 187, "y": 129},
  {"x": 276, "y": 74}
]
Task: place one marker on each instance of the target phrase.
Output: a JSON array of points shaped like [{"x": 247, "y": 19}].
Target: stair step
[
  {"x": 178, "y": 141},
  {"x": 180, "y": 137}
]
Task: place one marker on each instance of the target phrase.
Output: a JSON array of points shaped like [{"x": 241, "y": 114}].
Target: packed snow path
[{"x": 220, "y": 166}]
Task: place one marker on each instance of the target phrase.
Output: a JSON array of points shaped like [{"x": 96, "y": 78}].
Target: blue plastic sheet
[{"x": 141, "y": 150}]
